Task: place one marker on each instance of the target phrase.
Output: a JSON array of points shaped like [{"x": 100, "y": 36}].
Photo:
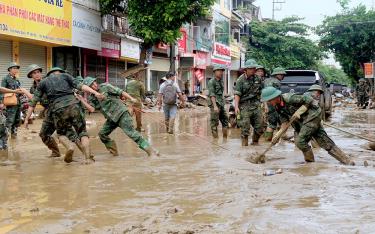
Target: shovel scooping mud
[{"x": 259, "y": 158}]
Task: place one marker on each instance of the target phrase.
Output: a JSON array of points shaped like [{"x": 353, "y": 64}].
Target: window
[
  {"x": 221, "y": 28},
  {"x": 227, "y": 4}
]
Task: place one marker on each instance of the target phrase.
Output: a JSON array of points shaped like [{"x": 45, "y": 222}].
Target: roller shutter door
[
  {"x": 30, "y": 54},
  {"x": 115, "y": 67},
  {"x": 5, "y": 57}
]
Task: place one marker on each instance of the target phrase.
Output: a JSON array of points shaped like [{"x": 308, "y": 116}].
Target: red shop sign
[
  {"x": 182, "y": 41},
  {"x": 110, "y": 48},
  {"x": 201, "y": 60}
]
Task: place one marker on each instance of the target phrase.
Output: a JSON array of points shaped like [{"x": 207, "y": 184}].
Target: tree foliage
[
  {"x": 334, "y": 74},
  {"x": 283, "y": 43},
  {"x": 350, "y": 35},
  {"x": 160, "y": 20}
]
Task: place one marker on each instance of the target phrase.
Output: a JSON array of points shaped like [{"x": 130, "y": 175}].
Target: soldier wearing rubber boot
[
  {"x": 273, "y": 121},
  {"x": 65, "y": 109},
  {"x": 136, "y": 89},
  {"x": 13, "y": 112},
  {"x": 307, "y": 112},
  {"x": 247, "y": 103},
  {"x": 117, "y": 116},
  {"x": 216, "y": 102}
]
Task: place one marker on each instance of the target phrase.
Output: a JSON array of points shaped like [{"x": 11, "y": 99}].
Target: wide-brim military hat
[
  {"x": 55, "y": 69},
  {"x": 218, "y": 67},
  {"x": 132, "y": 71},
  {"x": 89, "y": 80},
  {"x": 269, "y": 93},
  {"x": 278, "y": 71},
  {"x": 316, "y": 88},
  {"x": 31, "y": 68},
  {"x": 13, "y": 64}
]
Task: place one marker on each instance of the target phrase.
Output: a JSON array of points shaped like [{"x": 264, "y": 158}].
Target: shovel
[{"x": 261, "y": 158}]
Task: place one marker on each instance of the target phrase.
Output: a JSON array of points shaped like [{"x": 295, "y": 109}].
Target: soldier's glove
[
  {"x": 276, "y": 138},
  {"x": 300, "y": 112}
]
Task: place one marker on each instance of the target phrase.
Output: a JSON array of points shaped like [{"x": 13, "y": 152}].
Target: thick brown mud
[{"x": 198, "y": 185}]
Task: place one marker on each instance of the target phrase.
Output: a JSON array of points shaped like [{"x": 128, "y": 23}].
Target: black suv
[{"x": 299, "y": 81}]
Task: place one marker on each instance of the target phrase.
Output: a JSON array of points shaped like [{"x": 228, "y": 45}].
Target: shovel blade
[{"x": 256, "y": 158}]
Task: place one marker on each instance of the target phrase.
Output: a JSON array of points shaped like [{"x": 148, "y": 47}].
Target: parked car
[{"x": 299, "y": 81}]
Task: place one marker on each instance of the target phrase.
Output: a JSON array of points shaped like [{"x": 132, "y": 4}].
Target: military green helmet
[
  {"x": 278, "y": 71},
  {"x": 250, "y": 63},
  {"x": 89, "y": 80},
  {"x": 260, "y": 67},
  {"x": 55, "y": 69},
  {"x": 219, "y": 67},
  {"x": 13, "y": 64},
  {"x": 31, "y": 68},
  {"x": 316, "y": 88},
  {"x": 269, "y": 93}
]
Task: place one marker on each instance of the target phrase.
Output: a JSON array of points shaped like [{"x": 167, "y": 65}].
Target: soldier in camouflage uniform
[
  {"x": 362, "y": 90},
  {"x": 261, "y": 72},
  {"x": 247, "y": 103},
  {"x": 116, "y": 114},
  {"x": 136, "y": 89},
  {"x": 307, "y": 110},
  {"x": 65, "y": 109},
  {"x": 13, "y": 113},
  {"x": 273, "y": 121},
  {"x": 216, "y": 102},
  {"x": 48, "y": 126}
]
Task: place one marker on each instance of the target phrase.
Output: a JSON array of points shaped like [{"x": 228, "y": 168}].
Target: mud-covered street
[{"x": 197, "y": 185}]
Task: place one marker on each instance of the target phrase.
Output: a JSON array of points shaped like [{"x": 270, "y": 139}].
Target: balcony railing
[{"x": 116, "y": 24}]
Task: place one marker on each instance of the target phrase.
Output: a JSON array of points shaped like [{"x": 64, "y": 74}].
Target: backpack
[{"x": 169, "y": 94}]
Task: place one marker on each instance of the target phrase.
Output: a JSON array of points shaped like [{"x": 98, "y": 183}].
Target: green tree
[
  {"x": 350, "y": 35},
  {"x": 158, "y": 21},
  {"x": 334, "y": 74},
  {"x": 283, "y": 43}
]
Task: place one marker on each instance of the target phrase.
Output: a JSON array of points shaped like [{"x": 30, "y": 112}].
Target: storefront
[
  {"x": 158, "y": 66},
  {"x": 130, "y": 53},
  {"x": 5, "y": 57},
  {"x": 30, "y": 30}
]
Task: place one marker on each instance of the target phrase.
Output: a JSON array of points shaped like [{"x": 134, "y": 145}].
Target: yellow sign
[{"x": 42, "y": 20}]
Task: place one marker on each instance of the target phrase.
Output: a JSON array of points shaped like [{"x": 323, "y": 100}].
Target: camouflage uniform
[
  {"x": 64, "y": 108},
  {"x": 362, "y": 93},
  {"x": 216, "y": 89},
  {"x": 13, "y": 113},
  {"x": 136, "y": 89},
  {"x": 3, "y": 131},
  {"x": 273, "y": 120},
  {"x": 309, "y": 126},
  {"x": 117, "y": 115},
  {"x": 249, "y": 90}
]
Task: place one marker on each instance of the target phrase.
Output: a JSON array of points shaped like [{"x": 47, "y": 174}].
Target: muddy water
[{"x": 197, "y": 186}]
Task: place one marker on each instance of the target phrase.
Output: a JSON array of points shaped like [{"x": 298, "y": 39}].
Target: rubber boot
[
  {"x": 225, "y": 133},
  {"x": 80, "y": 147},
  {"x": 214, "y": 133},
  {"x": 4, "y": 158},
  {"x": 171, "y": 126},
  {"x": 86, "y": 150},
  {"x": 255, "y": 139},
  {"x": 166, "y": 125},
  {"x": 145, "y": 146},
  {"x": 69, "y": 148},
  {"x": 268, "y": 136},
  {"x": 112, "y": 148},
  {"x": 54, "y": 147},
  {"x": 337, "y": 153},
  {"x": 245, "y": 141},
  {"x": 309, "y": 156}
]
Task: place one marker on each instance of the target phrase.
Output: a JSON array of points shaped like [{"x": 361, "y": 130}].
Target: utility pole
[{"x": 274, "y": 8}]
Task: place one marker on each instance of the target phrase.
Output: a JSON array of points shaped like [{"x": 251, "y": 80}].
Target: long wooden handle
[{"x": 350, "y": 133}]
